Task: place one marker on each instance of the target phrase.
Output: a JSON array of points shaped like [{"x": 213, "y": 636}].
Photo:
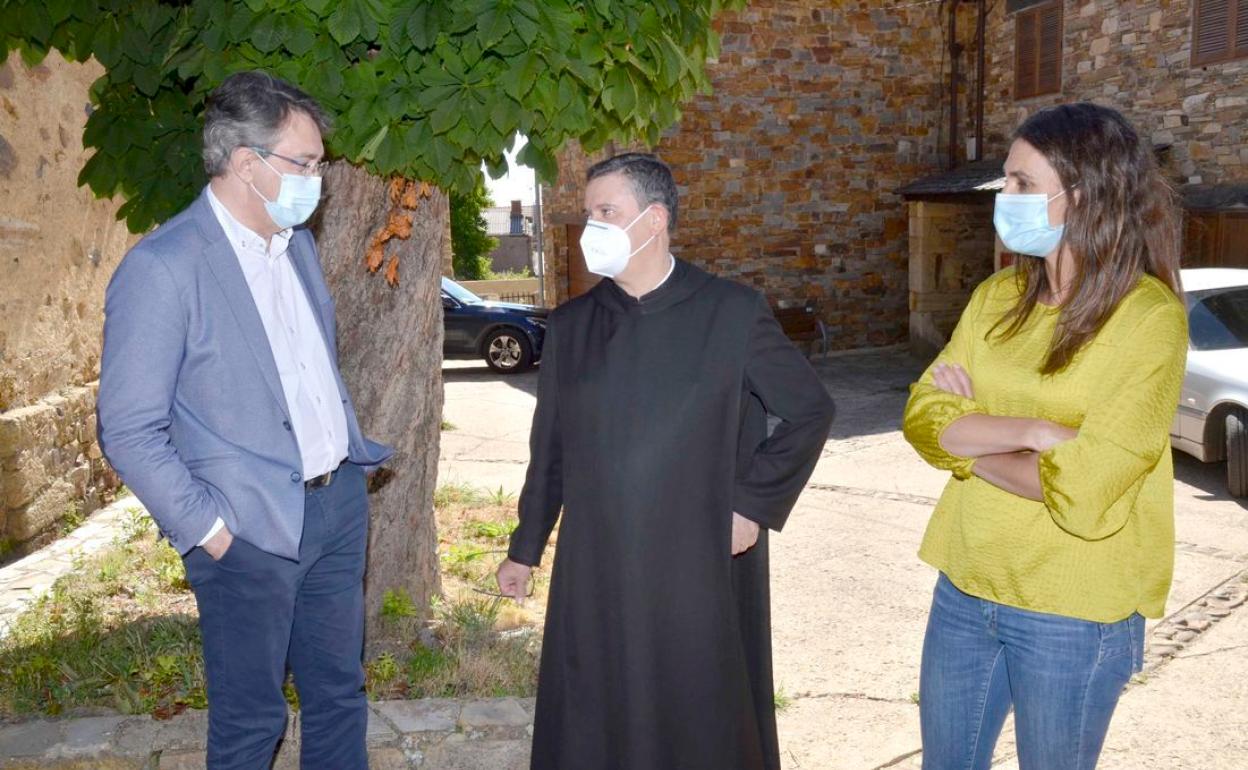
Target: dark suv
[{"x": 507, "y": 335}]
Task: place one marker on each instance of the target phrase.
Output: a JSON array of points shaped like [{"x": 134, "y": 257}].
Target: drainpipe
[
  {"x": 954, "y": 50},
  {"x": 981, "y": 24},
  {"x": 538, "y": 227}
]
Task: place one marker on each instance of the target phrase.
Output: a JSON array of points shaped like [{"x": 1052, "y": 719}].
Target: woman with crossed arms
[{"x": 1051, "y": 406}]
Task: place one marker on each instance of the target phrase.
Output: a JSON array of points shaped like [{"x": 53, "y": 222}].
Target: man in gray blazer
[{"x": 221, "y": 406}]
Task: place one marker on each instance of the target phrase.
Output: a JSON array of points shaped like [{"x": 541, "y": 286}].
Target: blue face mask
[
  {"x": 297, "y": 198},
  {"x": 1022, "y": 222}
]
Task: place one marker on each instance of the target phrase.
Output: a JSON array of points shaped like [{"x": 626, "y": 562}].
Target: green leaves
[
  {"x": 346, "y": 23},
  {"x": 422, "y": 88}
]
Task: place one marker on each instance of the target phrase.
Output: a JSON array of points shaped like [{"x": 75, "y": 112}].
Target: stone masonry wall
[
  {"x": 1135, "y": 57},
  {"x": 50, "y": 465},
  {"x": 58, "y": 248},
  {"x": 786, "y": 171}
]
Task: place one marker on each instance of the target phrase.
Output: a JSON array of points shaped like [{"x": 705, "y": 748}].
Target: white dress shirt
[{"x": 316, "y": 411}]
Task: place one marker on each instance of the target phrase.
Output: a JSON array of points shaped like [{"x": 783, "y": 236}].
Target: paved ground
[{"x": 850, "y": 596}]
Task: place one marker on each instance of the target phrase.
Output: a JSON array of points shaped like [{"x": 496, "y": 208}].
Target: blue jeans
[
  {"x": 259, "y": 613},
  {"x": 1062, "y": 675}
]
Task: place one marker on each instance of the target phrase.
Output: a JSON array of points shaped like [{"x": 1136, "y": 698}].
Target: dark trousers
[{"x": 259, "y": 612}]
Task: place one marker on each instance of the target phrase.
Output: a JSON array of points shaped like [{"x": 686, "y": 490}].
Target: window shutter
[
  {"x": 1241, "y": 29},
  {"x": 1038, "y": 51},
  {"x": 1025, "y": 55},
  {"x": 1049, "y": 75},
  {"x": 1211, "y": 31}
]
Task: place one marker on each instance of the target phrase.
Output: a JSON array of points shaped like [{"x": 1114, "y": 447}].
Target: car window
[
  {"x": 460, "y": 293},
  {"x": 1219, "y": 320}
]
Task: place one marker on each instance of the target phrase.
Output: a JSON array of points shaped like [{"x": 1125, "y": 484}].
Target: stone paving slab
[{"x": 484, "y": 734}]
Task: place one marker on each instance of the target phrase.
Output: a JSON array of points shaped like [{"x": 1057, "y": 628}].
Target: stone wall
[
  {"x": 58, "y": 247},
  {"x": 50, "y": 465},
  {"x": 1135, "y": 57},
  {"x": 787, "y": 170},
  {"x": 514, "y": 253}
]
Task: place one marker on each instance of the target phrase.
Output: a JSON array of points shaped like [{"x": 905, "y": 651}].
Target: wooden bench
[{"x": 801, "y": 324}]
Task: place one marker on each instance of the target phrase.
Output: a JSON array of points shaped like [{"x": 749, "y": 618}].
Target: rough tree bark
[{"x": 390, "y": 350}]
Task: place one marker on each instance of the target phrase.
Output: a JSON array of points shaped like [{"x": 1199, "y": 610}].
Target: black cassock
[{"x": 650, "y": 431}]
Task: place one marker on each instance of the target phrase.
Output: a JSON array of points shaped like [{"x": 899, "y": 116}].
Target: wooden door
[
  {"x": 580, "y": 280},
  {"x": 1216, "y": 239}
]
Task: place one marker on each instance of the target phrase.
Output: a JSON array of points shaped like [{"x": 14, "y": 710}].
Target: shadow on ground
[
  {"x": 870, "y": 390},
  {"x": 472, "y": 372},
  {"x": 1209, "y": 478}
]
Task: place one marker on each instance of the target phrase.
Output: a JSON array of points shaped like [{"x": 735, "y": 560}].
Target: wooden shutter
[
  {"x": 1038, "y": 51},
  {"x": 1025, "y": 55},
  {"x": 1241, "y": 30},
  {"x": 1219, "y": 31},
  {"x": 1049, "y": 75}
]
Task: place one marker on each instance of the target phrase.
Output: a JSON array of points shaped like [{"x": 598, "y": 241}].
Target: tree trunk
[{"x": 390, "y": 350}]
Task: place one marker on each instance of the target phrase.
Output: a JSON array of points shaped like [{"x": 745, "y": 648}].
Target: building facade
[
  {"x": 788, "y": 170},
  {"x": 849, "y": 152}
]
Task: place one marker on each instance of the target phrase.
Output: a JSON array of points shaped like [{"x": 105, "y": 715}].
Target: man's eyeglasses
[{"x": 306, "y": 168}]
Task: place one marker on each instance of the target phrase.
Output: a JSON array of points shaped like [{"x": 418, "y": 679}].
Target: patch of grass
[
  {"x": 121, "y": 630},
  {"x": 72, "y": 518},
  {"x": 7, "y": 546},
  {"x": 89, "y": 642},
  {"x": 136, "y": 524},
  {"x": 490, "y": 530},
  {"x": 914, "y": 698},
  {"x": 469, "y": 657},
  {"x": 501, "y": 497},
  {"x": 465, "y": 560},
  {"x": 397, "y": 604},
  {"x": 781, "y": 700},
  {"x": 454, "y": 493},
  {"x": 448, "y": 425}
]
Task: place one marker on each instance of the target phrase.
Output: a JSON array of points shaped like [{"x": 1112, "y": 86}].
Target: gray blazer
[{"x": 191, "y": 410}]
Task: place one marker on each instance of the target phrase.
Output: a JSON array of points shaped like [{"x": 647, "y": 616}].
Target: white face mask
[
  {"x": 607, "y": 248},
  {"x": 1022, "y": 222}
]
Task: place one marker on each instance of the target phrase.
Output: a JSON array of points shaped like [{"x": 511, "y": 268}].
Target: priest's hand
[
  {"x": 744, "y": 534},
  {"x": 513, "y": 579}
]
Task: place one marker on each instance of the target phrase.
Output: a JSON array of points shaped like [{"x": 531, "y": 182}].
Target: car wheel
[
  {"x": 1237, "y": 452},
  {"x": 508, "y": 351}
]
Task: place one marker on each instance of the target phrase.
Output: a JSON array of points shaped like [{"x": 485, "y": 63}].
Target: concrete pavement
[{"x": 849, "y": 597}]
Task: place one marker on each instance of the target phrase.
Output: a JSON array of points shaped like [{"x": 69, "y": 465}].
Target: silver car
[{"x": 1212, "y": 420}]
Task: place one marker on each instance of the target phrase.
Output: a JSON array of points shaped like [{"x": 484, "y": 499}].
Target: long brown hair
[{"x": 1122, "y": 221}]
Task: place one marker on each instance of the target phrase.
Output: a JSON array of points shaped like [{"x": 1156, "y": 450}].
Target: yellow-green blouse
[{"x": 1101, "y": 545}]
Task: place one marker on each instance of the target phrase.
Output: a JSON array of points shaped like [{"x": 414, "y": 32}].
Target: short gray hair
[
  {"x": 651, "y": 180},
  {"x": 248, "y": 110}
]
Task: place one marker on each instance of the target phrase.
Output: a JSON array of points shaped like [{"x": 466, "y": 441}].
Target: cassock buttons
[{"x": 296, "y": 477}]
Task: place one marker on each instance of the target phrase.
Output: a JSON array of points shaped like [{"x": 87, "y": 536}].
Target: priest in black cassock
[{"x": 651, "y": 435}]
